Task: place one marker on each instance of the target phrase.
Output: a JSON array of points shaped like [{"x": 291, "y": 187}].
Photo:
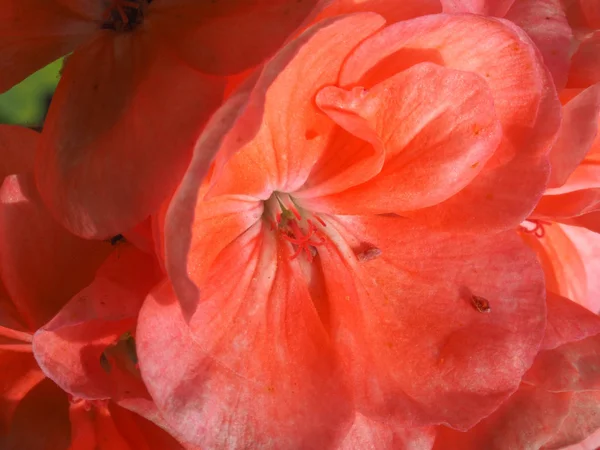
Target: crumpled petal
[
  {"x": 42, "y": 265},
  {"x": 582, "y": 420},
  {"x": 546, "y": 24},
  {"x": 438, "y": 128},
  {"x": 17, "y": 147},
  {"x": 83, "y": 348},
  {"x": 109, "y": 154},
  {"x": 413, "y": 346},
  {"x": 34, "y": 33},
  {"x": 524, "y": 97},
  {"x": 254, "y": 365}
]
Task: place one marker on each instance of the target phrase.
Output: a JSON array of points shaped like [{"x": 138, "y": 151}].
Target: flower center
[
  {"x": 535, "y": 227},
  {"x": 301, "y": 229},
  {"x": 124, "y": 15}
]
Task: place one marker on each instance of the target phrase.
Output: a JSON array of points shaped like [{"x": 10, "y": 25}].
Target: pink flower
[{"x": 348, "y": 270}]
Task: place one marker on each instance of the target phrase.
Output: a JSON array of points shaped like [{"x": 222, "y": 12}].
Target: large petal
[
  {"x": 414, "y": 346},
  {"x": 524, "y": 98},
  {"x": 276, "y": 100},
  {"x": 391, "y": 11},
  {"x": 581, "y": 421},
  {"x": 438, "y": 127},
  {"x": 34, "y": 33},
  {"x": 546, "y": 24},
  {"x": 109, "y": 154},
  {"x": 293, "y": 132},
  {"x": 17, "y": 147},
  {"x": 82, "y": 348},
  {"x": 42, "y": 265},
  {"x": 227, "y": 37},
  {"x": 255, "y": 363}
]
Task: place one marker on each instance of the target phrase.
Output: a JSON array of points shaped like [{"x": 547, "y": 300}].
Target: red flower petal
[
  {"x": 366, "y": 433},
  {"x": 35, "y": 33},
  {"x": 109, "y": 154},
  {"x": 41, "y": 420},
  {"x": 497, "y": 8},
  {"x": 254, "y": 365},
  {"x": 546, "y": 24},
  {"x": 293, "y": 133},
  {"x": 578, "y": 131},
  {"x": 581, "y": 421},
  {"x": 527, "y": 420},
  {"x": 41, "y": 264},
  {"x": 585, "y": 63},
  {"x": 392, "y": 11},
  {"x": 408, "y": 316},
  {"x": 416, "y": 114},
  {"x": 567, "y": 322},
  {"x": 515, "y": 75},
  {"x": 227, "y": 37},
  {"x": 17, "y": 146},
  {"x": 82, "y": 348}
]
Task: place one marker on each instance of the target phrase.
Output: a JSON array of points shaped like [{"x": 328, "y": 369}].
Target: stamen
[
  {"x": 536, "y": 228},
  {"x": 303, "y": 236},
  {"x": 124, "y": 15}
]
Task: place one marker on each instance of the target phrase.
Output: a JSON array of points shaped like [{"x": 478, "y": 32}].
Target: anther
[{"x": 537, "y": 227}]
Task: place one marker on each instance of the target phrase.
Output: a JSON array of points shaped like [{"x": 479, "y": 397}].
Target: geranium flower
[
  {"x": 42, "y": 266},
  {"x": 143, "y": 78},
  {"x": 321, "y": 292}
]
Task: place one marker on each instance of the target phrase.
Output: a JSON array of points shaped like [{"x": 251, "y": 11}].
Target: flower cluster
[{"x": 302, "y": 224}]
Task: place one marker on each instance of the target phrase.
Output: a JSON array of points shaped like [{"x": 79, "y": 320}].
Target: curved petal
[
  {"x": 141, "y": 434},
  {"x": 566, "y": 206},
  {"x": 578, "y": 131},
  {"x": 253, "y": 366},
  {"x": 367, "y": 433},
  {"x": 293, "y": 133},
  {"x": 17, "y": 147},
  {"x": 413, "y": 344},
  {"x": 570, "y": 367},
  {"x": 497, "y": 8},
  {"x": 587, "y": 244},
  {"x": 225, "y": 38},
  {"x": 567, "y": 322},
  {"x": 527, "y": 420},
  {"x": 109, "y": 154},
  {"x": 524, "y": 97},
  {"x": 44, "y": 409},
  {"x": 562, "y": 263},
  {"x": 83, "y": 348},
  {"x": 42, "y": 265},
  {"x": 581, "y": 421},
  {"x": 34, "y": 33},
  {"x": 438, "y": 127},
  {"x": 585, "y": 63},
  {"x": 592, "y": 442},
  {"x": 546, "y": 24},
  {"x": 391, "y": 11}
]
